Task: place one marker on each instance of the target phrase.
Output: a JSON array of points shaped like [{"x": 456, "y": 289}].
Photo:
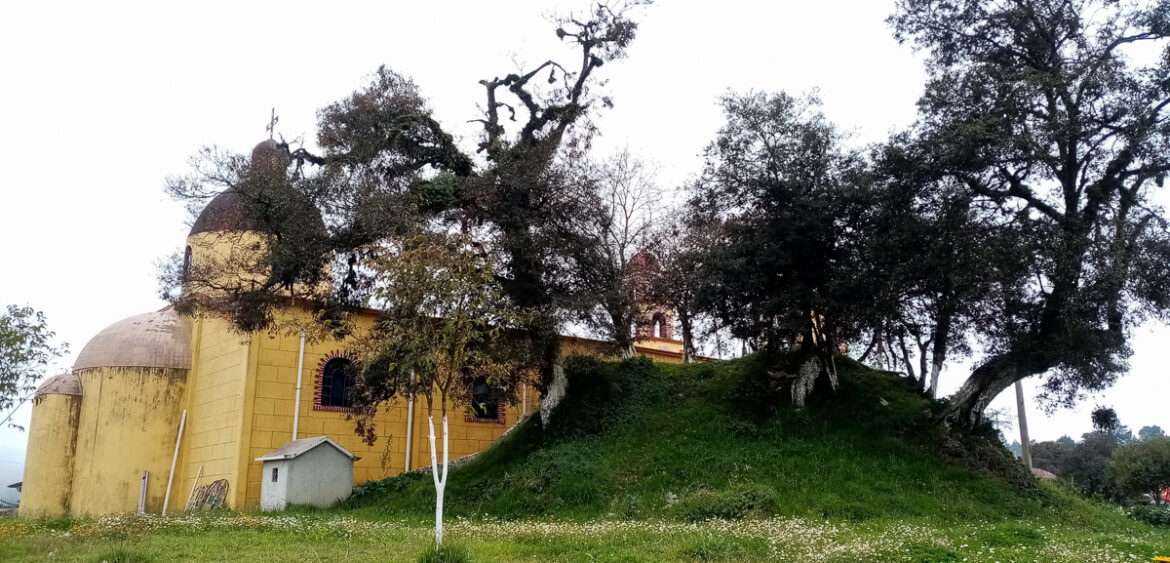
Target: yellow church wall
[
  {"x": 48, "y": 477},
  {"x": 241, "y": 401},
  {"x": 271, "y": 415},
  {"x": 215, "y": 405},
  {"x": 128, "y": 421}
]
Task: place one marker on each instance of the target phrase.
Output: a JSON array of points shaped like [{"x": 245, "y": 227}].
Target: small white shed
[{"x": 314, "y": 471}]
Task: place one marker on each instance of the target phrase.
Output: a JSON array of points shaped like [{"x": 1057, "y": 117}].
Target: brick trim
[
  {"x": 319, "y": 380},
  {"x": 501, "y": 414}
]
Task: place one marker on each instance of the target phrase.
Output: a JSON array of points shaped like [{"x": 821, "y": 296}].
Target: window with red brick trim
[
  {"x": 485, "y": 403},
  {"x": 334, "y": 389}
]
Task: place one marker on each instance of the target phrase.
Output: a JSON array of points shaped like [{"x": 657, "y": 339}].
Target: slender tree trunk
[
  {"x": 942, "y": 332},
  {"x": 877, "y": 335},
  {"x": 684, "y": 319},
  {"x": 440, "y": 482}
]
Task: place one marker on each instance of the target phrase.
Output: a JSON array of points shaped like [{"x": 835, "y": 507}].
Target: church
[{"x": 163, "y": 412}]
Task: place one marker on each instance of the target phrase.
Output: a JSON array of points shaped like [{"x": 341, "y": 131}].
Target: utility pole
[{"x": 1025, "y": 444}]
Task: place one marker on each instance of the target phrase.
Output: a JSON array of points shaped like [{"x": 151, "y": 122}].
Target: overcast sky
[{"x": 100, "y": 101}]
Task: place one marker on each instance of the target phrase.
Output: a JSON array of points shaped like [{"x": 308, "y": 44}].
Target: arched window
[
  {"x": 335, "y": 384},
  {"x": 187, "y": 263},
  {"x": 661, "y": 326}
]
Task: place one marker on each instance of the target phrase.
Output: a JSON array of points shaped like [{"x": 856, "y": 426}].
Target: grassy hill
[
  {"x": 636, "y": 440},
  {"x": 648, "y": 463}
]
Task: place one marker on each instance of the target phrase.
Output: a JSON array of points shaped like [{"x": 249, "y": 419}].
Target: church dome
[
  {"x": 151, "y": 340},
  {"x": 227, "y": 212},
  {"x": 224, "y": 213},
  {"x": 62, "y": 384}
]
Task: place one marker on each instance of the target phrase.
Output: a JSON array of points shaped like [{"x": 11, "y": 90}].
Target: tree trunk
[
  {"x": 684, "y": 319},
  {"x": 984, "y": 384},
  {"x": 622, "y": 338},
  {"x": 557, "y": 388},
  {"x": 942, "y": 332},
  {"x": 440, "y": 482}
]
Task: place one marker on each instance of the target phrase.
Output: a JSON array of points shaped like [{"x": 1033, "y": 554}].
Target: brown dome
[
  {"x": 225, "y": 212},
  {"x": 62, "y": 384},
  {"x": 228, "y": 212},
  {"x": 161, "y": 339}
]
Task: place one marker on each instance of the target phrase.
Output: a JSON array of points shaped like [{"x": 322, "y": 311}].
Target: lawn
[{"x": 331, "y": 537}]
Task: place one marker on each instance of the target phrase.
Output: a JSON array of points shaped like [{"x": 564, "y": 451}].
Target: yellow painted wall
[
  {"x": 128, "y": 422},
  {"x": 271, "y": 416},
  {"x": 239, "y": 398},
  {"x": 231, "y": 259},
  {"x": 48, "y": 469},
  {"x": 215, "y": 405}
]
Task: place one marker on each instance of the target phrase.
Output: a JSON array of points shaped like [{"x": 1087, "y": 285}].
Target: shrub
[
  {"x": 732, "y": 504},
  {"x": 121, "y": 554},
  {"x": 446, "y": 553},
  {"x": 1143, "y": 467},
  {"x": 1153, "y": 515}
]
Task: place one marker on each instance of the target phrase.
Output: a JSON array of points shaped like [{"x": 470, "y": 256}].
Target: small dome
[
  {"x": 62, "y": 384},
  {"x": 267, "y": 151},
  {"x": 161, "y": 339},
  {"x": 224, "y": 213}
]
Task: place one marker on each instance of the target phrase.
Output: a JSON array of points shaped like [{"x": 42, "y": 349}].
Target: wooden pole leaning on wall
[
  {"x": 174, "y": 459},
  {"x": 193, "y": 485}
]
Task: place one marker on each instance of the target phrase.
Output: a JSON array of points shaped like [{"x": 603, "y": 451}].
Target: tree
[
  {"x": 25, "y": 351},
  {"x": 1105, "y": 420},
  {"x": 781, "y": 187},
  {"x": 443, "y": 318},
  {"x": 933, "y": 299},
  {"x": 386, "y": 165},
  {"x": 1151, "y": 432},
  {"x": 1051, "y": 455},
  {"x": 1038, "y": 109},
  {"x": 1143, "y": 467},
  {"x": 533, "y": 210},
  {"x": 680, "y": 245},
  {"x": 625, "y": 199}
]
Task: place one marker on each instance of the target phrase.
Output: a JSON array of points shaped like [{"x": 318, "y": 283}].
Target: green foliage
[
  {"x": 1150, "y": 514},
  {"x": 1149, "y": 432},
  {"x": 1014, "y": 89},
  {"x": 121, "y": 554},
  {"x": 718, "y": 547},
  {"x": 1143, "y": 467},
  {"x": 25, "y": 351},
  {"x": 446, "y": 553},
  {"x": 1087, "y": 464},
  {"x": 780, "y": 182},
  {"x": 738, "y": 501}
]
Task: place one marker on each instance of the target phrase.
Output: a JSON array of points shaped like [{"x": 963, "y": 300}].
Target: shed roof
[{"x": 298, "y": 447}]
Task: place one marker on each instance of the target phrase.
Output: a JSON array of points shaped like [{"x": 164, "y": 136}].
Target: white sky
[{"x": 99, "y": 102}]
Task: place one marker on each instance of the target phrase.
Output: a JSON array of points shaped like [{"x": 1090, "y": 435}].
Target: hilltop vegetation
[
  {"x": 650, "y": 462},
  {"x": 636, "y": 440}
]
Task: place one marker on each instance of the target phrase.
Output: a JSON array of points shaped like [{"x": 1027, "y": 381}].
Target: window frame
[
  {"x": 319, "y": 387},
  {"x": 501, "y": 409}
]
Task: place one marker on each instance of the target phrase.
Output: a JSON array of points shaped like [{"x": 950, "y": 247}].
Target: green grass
[
  {"x": 333, "y": 537},
  {"x": 633, "y": 436},
  {"x": 647, "y": 462}
]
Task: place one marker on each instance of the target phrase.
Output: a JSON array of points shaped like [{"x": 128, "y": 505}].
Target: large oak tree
[{"x": 1057, "y": 112}]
